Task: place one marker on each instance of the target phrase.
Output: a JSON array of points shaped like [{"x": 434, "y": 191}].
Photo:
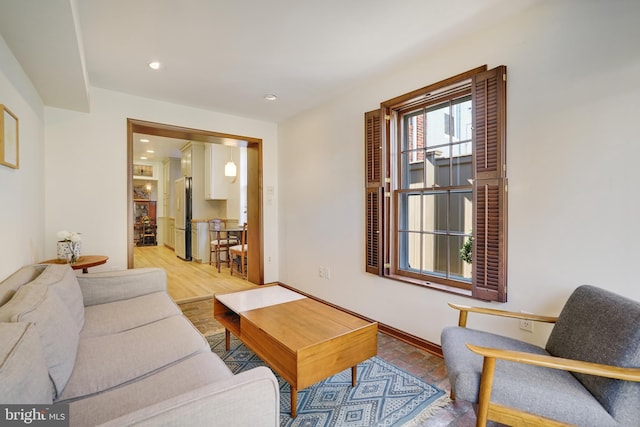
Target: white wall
[
  {"x": 22, "y": 209},
  {"x": 86, "y": 174},
  {"x": 573, "y": 94}
]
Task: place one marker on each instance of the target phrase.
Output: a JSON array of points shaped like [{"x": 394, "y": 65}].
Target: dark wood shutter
[
  {"x": 374, "y": 192},
  {"x": 489, "y": 254},
  {"x": 490, "y": 185}
]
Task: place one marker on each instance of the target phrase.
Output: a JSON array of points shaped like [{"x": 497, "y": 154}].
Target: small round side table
[{"x": 84, "y": 262}]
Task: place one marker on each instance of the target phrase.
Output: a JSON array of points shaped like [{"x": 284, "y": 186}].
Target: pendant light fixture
[{"x": 230, "y": 169}]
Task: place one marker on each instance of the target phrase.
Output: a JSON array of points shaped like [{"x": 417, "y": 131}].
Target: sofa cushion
[
  {"x": 464, "y": 366},
  {"x": 187, "y": 375},
  {"x": 24, "y": 377},
  {"x": 119, "y": 316},
  {"x": 108, "y": 361},
  {"x": 109, "y": 286},
  {"x": 599, "y": 326},
  {"x": 62, "y": 280},
  {"x": 59, "y": 333},
  {"x": 11, "y": 284}
]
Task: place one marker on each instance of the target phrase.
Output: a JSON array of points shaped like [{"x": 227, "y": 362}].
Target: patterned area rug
[{"x": 384, "y": 394}]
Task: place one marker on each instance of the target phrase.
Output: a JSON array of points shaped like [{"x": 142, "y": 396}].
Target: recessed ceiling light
[
  {"x": 144, "y": 140},
  {"x": 155, "y": 65},
  {"x": 270, "y": 97},
  {"x": 143, "y": 158},
  {"x": 150, "y": 151}
]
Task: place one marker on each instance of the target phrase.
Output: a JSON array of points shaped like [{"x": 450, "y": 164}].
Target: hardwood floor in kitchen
[
  {"x": 192, "y": 285},
  {"x": 188, "y": 280}
]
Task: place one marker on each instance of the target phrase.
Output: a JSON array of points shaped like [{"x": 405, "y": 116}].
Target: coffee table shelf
[{"x": 230, "y": 321}]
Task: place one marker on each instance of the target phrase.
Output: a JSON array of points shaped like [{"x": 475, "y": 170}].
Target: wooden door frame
[{"x": 255, "y": 238}]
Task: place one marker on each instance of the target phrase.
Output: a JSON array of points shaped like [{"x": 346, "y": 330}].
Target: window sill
[{"x": 431, "y": 285}]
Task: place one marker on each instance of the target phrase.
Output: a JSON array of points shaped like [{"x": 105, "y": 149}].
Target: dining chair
[
  {"x": 147, "y": 230},
  {"x": 238, "y": 253},
  {"x": 220, "y": 241}
]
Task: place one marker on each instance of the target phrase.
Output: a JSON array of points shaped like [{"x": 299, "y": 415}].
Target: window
[
  {"x": 436, "y": 185},
  {"x": 434, "y": 194}
]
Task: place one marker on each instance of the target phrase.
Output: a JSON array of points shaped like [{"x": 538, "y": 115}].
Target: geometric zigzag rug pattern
[{"x": 383, "y": 396}]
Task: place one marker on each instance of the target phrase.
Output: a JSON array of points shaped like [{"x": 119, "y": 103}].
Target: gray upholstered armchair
[{"x": 588, "y": 374}]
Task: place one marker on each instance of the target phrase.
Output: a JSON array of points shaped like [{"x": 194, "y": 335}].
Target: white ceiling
[
  {"x": 225, "y": 55},
  {"x": 162, "y": 147}
]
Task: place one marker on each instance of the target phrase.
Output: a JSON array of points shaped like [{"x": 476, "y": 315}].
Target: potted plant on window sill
[{"x": 466, "y": 253}]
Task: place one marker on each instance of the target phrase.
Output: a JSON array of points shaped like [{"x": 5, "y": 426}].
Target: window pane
[
  {"x": 436, "y": 132},
  {"x": 461, "y": 212},
  {"x": 413, "y": 173},
  {"x": 437, "y": 167},
  {"x": 435, "y": 254},
  {"x": 409, "y": 244},
  {"x": 460, "y": 270},
  {"x": 413, "y": 144},
  {"x": 435, "y": 208},
  {"x": 461, "y": 162},
  {"x": 413, "y": 130},
  {"x": 410, "y": 212},
  {"x": 461, "y": 120}
]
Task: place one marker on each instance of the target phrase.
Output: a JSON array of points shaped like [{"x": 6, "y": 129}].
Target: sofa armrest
[
  {"x": 251, "y": 398},
  {"x": 465, "y": 310},
  {"x": 109, "y": 286}
]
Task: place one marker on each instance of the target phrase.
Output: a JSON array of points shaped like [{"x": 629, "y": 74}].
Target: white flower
[{"x": 69, "y": 236}]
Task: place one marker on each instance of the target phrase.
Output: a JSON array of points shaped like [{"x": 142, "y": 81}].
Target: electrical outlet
[
  {"x": 327, "y": 273},
  {"x": 321, "y": 272},
  {"x": 526, "y": 325}
]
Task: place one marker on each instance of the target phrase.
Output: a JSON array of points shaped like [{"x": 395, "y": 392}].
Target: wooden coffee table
[{"x": 301, "y": 339}]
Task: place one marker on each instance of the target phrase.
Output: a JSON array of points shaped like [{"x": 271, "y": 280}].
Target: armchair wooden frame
[{"x": 511, "y": 416}]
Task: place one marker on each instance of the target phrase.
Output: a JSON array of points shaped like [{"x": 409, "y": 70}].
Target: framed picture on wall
[
  {"x": 141, "y": 192},
  {"x": 9, "y": 151}
]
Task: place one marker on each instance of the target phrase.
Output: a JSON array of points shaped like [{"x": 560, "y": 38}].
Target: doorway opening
[{"x": 254, "y": 217}]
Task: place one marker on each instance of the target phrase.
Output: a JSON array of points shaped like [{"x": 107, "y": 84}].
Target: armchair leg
[{"x": 484, "y": 396}]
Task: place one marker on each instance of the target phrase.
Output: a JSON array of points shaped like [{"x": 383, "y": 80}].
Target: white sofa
[{"x": 119, "y": 351}]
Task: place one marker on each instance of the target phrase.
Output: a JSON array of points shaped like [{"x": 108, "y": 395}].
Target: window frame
[
  {"x": 489, "y": 184},
  {"x": 399, "y": 188}
]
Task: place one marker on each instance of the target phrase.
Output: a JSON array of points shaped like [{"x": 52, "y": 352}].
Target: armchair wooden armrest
[
  {"x": 609, "y": 371},
  {"x": 465, "y": 310},
  {"x": 488, "y": 410}
]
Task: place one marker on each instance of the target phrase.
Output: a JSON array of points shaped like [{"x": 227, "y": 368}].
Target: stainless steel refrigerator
[{"x": 183, "y": 218}]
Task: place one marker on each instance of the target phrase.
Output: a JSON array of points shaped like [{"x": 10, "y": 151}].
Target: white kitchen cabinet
[
  {"x": 200, "y": 241},
  {"x": 216, "y": 185},
  {"x": 171, "y": 170},
  {"x": 180, "y": 242},
  {"x": 195, "y": 255},
  {"x": 170, "y": 233},
  {"x": 186, "y": 160}
]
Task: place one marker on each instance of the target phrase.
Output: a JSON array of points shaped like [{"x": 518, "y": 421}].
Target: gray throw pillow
[
  {"x": 24, "y": 378},
  {"x": 59, "y": 333}
]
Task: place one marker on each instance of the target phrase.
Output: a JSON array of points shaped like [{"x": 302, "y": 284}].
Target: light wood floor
[{"x": 188, "y": 281}]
